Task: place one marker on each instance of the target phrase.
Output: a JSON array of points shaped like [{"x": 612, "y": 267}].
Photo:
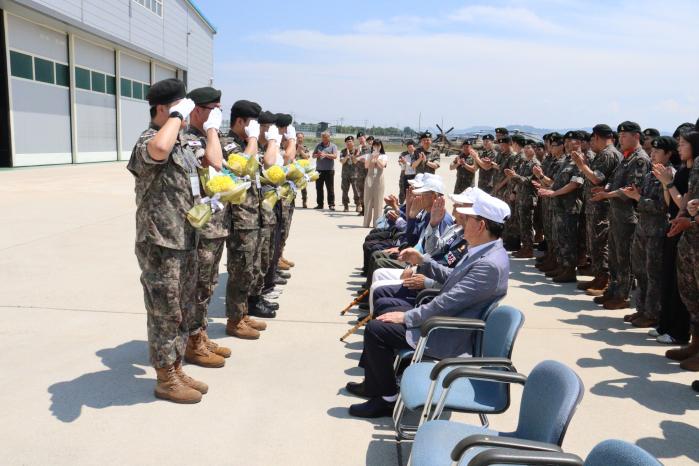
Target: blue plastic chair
[
  {"x": 421, "y": 385},
  {"x": 606, "y": 453},
  {"x": 551, "y": 394}
]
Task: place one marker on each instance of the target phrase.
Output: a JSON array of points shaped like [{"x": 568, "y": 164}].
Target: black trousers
[
  {"x": 674, "y": 317},
  {"x": 370, "y": 247},
  {"x": 381, "y": 340},
  {"x": 326, "y": 178}
]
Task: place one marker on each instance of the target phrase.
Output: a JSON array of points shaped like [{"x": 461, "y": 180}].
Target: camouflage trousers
[
  {"x": 647, "y": 267},
  {"x": 620, "y": 233},
  {"x": 168, "y": 277},
  {"x": 597, "y": 230},
  {"x": 243, "y": 263},
  {"x": 566, "y": 234},
  {"x": 688, "y": 274},
  {"x": 288, "y": 214},
  {"x": 359, "y": 182},
  {"x": 511, "y": 231},
  {"x": 266, "y": 252},
  {"x": 209, "y": 252},
  {"x": 347, "y": 182},
  {"x": 525, "y": 217}
]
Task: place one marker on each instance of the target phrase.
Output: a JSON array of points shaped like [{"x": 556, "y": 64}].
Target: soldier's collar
[{"x": 152, "y": 125}]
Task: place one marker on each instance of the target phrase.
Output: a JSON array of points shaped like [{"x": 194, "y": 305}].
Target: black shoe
[
  {"x": 364, "y": 306},
  {"x": 279, "y": 281},
  {"x": 357, "y": 389},
  {"x": 318, "y": 207},
  {"x": 375, "y": 407},
  {"x": 284, "y": 275},
  {"x": 360, "y": 213},
  {"x": 361, "y": 317},
  {"x": 304, "y": 205},
  {"x": 332, "y": 207},
  {"x": 270, "y": 305},
  {"x": 346, "y": 209},
  {"x": 259, "y": 309},
  {"x": 695, "y": 385}
]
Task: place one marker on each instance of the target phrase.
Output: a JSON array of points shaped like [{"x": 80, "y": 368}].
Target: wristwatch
[
  {"x": 177, "y": 115},
  {"x": 670, "y": 185}
]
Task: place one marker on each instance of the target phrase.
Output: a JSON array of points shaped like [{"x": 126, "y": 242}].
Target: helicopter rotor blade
[{"x": 450, "y": 130}]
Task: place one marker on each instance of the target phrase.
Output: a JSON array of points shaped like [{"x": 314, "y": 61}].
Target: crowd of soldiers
[{"x": 179, "y": 263}]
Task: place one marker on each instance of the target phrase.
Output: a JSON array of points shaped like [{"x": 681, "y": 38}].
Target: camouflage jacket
[
  {"x": 218, "y": 226},
  {"x": 526, "y": 193},
  {"x": 570, "y": 203},
  {"x": 485, "y": 177},
  {"x": 630, "y": 171},
  {"x": 360, "y": 170},
  {"x": 465, "y": 177},
  {"x": 349, "y": 167},
  {"x": 163, "y": 194},
  {"x": 501, "y": 159},
  {"x": 693, "y": 193},
  {"x": 603, "y": 166},
  {"x": 653, "y": 217},
  {"x": 430, "y": 156},
  {"x": 245, "y": 216}
]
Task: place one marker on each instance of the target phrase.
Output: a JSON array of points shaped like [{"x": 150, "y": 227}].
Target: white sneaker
[
  {"x": 653, "y": 333},
  {"x": 666, "y": 339}
]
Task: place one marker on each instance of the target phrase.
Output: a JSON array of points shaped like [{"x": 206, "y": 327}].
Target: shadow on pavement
[
  {"x": 116, "y": 386},
  {"x": 679, "y": 439}
]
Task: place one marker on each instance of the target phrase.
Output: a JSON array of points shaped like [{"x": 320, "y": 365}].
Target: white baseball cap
[
  {"x": 431, "y": 183},
  {"x": 417, "y": 181},
  {"x": 468, "y": 196},
  {"x": 487, "y": 206}
]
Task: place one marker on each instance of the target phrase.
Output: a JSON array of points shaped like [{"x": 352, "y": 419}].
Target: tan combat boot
[
  {"x": 685, "y": 352},
  {"x": 584, "y": 285},
  {"x": 281, "y": 265},
  {"x": 242, "y": 330},
  {"x": 568, "y": 275},
  {"x": 288, "y": 262},
  {"x": 215, "y": 348},
  {"x": 598, "y": 289},
  {"x": 256, "y": 324},
  {"x": 616, "y": 303},
  {"x": 201, "y": 387},
  {"x": 554, "y": 272},
  {"x": 197, "y": 353},
  {"x": 170, "y": 387},
  {"x": 524, "y": 253}
]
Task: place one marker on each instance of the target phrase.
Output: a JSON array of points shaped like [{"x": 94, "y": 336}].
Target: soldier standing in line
[
  {"x": 649, "y": 134},
  {"x": 510, "y": 235},
  {"x": 360, "y": 170},
  {"x": 485, "y": 161},
  {"x": 349, "y": 178},
  {"x": 409, "y": 172},
  {"x": 623, "y": 216},
  {"x": 597, "y": 173},
  {"x": 167, "y": 186},
  {"x": 465, "y": 167},
  {"x": 526, "y": 199},
  {"x": 289, "y": 150},
  {"x": 202, "y": 137},
  {"x": 426, "y": 158}
]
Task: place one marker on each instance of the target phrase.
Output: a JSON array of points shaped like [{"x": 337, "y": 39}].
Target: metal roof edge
[{"x": 201, "y": 15}]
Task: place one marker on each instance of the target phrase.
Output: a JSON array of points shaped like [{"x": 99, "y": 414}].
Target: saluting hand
[
  {"x": 252, "y": 130},
  {"x": 214, "y": 120}
]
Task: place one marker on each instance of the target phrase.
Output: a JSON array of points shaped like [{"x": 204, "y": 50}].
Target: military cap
[
  {"x": 489, "y": 137},
  {"x": 540, "y": 145},
  {"x": 651, "y": 133},
  {"x": 555, "y": 138},
  {"x": 166, "y": 91},
  {"x": 245, "y": 109},
  {"x": 349, "y": 138},
  {"x": 267, "y": 118},
  {"x": 426, "y": 134},
  {"x": 529, "y": 142},
  {"x": 409, "y": 142},
  {"x": 501, "y": 131},
  {"x": 665, "y": 143},
  {"x": 283, "y": 119},
  {"x": 370, "y": 138},
  {"x": 519, "y": 139},
  {"x": 360, "y": 134},
  {"x": 205, "y": 95},
  {"x": 683, "y": 128},
  {"x": 545, "y": 137},
  {"x": 505, "y": 140},
  {"x": 572, "y": 135},
  {"x": 603, "y": 130},
  {"x": 467, "y": 142},
  {"x": 629, "y": 127},
  {"x": 585, "y": 135}
]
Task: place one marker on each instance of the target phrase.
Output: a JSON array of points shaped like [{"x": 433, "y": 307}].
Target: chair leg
[{"x": 484, "y": 419}]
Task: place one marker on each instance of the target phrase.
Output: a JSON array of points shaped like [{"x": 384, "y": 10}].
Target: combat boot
[
  {"x": 524, "y": 253},
  {"x": 600, "y": 287},
  {"x": 256, "y": 324},
  {"x": 691, "y": 364},
  {"x": 201, "y": 387},
  {"x": 566, "y": 276},
  {"x": 287, "y": 261},
  {"x": 632, "y": 317},
  {"x": 281, "y": 265},
  {"x": 616, "y": 303},
  {"x": 585, "y": 270},
  {"x": 215, "y": 348},
  {"x": 241, "y": 329},
  {"x": 197, "y": 353},
  {"x": 584, "y": 285},
  {"x": 549, "y": 266},
  {"x": 554, "y": 272},
  {"x": 170, "y": 387},
  {"x": 644, "y": 322},
  {"x": 258, "y": 308},
  {"x": 685, "y": 352},
  {"x": 602, "y": 299},
  {"x": 541, "y": 259}
]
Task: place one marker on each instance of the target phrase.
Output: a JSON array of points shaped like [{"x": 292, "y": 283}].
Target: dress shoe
[
  {"x": 566, "y": 276},
  {"x": 332, "y": 207},
  {"x": 279, "y": 280},
  {"x": 616, "y": 303},
  {"x": 644, "y": 322},
  {"x": 601, "y": 299},
  {"x": 271, "y": 305},
  {"x": 241, "y": 329},
  {"x": 259, "y": 309},
  {"x": 631, "y": 317},
  {"x": 364, "y": 306},
  {"x": 356, "y": 389},
  {"x": 318, "y": 207},
  {"x": 373, "y": 408},
  {"x": 284, "y": 275},
  {"x": 346, "y": 209}
]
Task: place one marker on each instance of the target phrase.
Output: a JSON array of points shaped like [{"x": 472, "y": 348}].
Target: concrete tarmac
[{"x": 77, "y": 386}]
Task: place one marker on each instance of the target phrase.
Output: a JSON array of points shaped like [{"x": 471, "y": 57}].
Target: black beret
[
  {"x": 283, "y": 119},
  {"x": 629, "y": 127},
  {"x": 555, "y": 138},
  {"x": 426, "y": 134},
  {"x": 665, "y": 143},
  {"x": 245, "y": 109},
  {"x": 572, "y": 135},
  {"x": 545, "y": 137},
  {"x": 489, "y": 137},
  {"x": 683, "y": 128},
  {"x": 540, "y": 145},
  {"x": 505, "y": 140},
  {"x": 205, "y": 95},
  {"x": 603, "y": 130},
  {"x": 409, "y": 142},
  {"x": 501, "y": 131},
  {"x": 166, "y": 91},
  {"x": 349, "y": 138},
  {"x": 519, "y": 139},
  {"x": 370, "y": 138},
  {"x": 585, "y": 135},
  {"x": 267, "y": 118},
  {"x": 360, "y": 134},
  {"x": 651, "y": 132},
  {"x": 467, "y": 142},
  {"x": 530, "y": 142}
]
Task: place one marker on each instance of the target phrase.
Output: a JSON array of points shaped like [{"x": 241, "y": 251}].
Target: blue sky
[{"x": 552, "y": 63}]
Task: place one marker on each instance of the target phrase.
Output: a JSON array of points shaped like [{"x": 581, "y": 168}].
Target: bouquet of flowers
[{"x": 242, "y": 165}]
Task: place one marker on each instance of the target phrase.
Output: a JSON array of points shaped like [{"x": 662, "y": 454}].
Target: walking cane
[
  {"x": 359, "y": 324},
  {"x": 353, "y": 303}
]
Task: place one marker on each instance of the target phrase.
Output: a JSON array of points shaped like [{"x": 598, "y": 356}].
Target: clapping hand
[
  {"x": 693, "y": 207},
  {"x": 536, "y": 169},
  {"x": 545, "y": 192},
  {"x": 578, "y": 158},
  {"x": 509, "y": 173},
  {"x": 662, "y": 173},
  {"x": 678, "y": 225},
  {"x": 631, "y": 192}
]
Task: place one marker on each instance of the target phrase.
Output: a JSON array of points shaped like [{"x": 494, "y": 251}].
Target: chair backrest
[
  {"x": 549, "y": 399},
  {"x": 478, "y": 336},
  {"x": 501, "y": 328},
  {"x": 620, "y": 453}
]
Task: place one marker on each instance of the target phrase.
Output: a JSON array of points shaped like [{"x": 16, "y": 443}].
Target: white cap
[
  {"x": 468, "y": 196},
  {"x": 417, "y": 181},
  {"x": 431, "y": 183},
  {"x": 487, "y": 206}
]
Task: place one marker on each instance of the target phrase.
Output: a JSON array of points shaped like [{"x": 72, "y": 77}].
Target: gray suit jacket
[{"x": 469, "y": 289}]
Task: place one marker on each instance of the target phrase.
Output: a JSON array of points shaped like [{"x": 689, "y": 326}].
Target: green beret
[
  {"x": 267, "y": 118},
  {"x": 245, "y": 109},
  {"x": 166, "y": 91},
  {"x": 629, "y": 127},
  {"x": 205, "y": 95},
  {"x": 283, "y": 120}
]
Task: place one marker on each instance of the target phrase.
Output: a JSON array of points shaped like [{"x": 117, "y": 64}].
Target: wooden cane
[
  {"x": 353, "y": 303},
  {"x": 359, "y": 325}
]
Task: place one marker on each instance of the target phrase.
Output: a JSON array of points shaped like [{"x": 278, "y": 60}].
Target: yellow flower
[
  {"x": 314, "y": 176},
  {"x": 199, "y": 215},
  {"x": 304, "y": 163},
  {"x": 219, "y": 184},
  {"x": 237, "y": 164},
  {"x": 252, "y": 166},
  {"x": 293, "y": 173},
  {"x": 270, "y": 198},
  {"x": 275, "y": 175}
]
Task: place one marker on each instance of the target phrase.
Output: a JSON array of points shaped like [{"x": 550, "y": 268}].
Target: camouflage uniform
[
  {"x": 622, "y": 222},
  {"x": 360, "y": 173},
  {"x": 688, "y": 258},
  {"x": 243, "y": 243},
  {"x": 268, "y": 234},
  {"x": 551, "y": 213},
  {"x": 502, "y": 160},
  {"x": 464, "y": 178},
  {"x": 526, "y": 200},
  {"x": 485, "y": 177},
  {"x": 597, "y": 213},
  {"x": 647, "y": 247},
  {"x": 511, "y": 231},
  {"x": 212, "y": 238},
  {"x": 430, "y": 156},
  {"x": 349, "y": 178},
  {"x": 567, "y": 212},
  {"x": 165, "y": 245}
]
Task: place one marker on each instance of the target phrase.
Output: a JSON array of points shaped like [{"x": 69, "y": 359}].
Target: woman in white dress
[{"x": 374, "y": 184}]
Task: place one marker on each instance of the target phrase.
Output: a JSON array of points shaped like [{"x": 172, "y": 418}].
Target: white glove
[
  {"x": 184, "y": 107},
  {"x": 252, "y": 130},
  {"x": 272, "y": 134},
  {"x": 290, "y": 133},
  {"x": 214, "y": 120}
]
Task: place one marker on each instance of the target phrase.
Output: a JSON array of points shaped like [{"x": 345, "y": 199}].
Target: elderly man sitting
[{"x": 479, "y": 279}]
